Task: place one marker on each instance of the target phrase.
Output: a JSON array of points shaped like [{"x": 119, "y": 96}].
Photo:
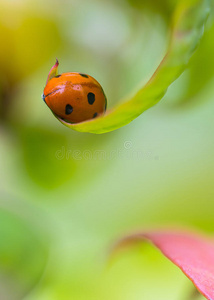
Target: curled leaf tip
[
  {"x": 57, "y": 62},
  {"x": 187, "y": 30},
  {"x": 53, "y": 72}
]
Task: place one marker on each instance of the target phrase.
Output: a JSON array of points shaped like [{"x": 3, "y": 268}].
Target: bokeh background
[{"x": 66, "y": 197}]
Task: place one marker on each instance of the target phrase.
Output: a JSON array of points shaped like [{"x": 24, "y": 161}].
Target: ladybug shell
[{"x": 75, "y": 97}]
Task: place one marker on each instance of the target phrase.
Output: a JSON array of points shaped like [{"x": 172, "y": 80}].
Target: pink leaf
[{"x": 192, "y": 253}]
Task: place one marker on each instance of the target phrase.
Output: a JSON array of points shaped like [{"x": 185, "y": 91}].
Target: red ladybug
[{"x": 74, "y": 97}]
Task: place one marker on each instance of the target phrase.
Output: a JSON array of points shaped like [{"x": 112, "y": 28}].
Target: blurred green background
[{"x": 65, "y": 197}]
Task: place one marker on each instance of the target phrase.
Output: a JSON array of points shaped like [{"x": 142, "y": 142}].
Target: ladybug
[{"x": 74, "y": 97}]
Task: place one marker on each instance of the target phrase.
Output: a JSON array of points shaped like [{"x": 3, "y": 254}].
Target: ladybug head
[{"x": 43, "y": 97}]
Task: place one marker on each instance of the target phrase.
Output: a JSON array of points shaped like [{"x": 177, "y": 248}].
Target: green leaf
[
  {"x": 201, "y": 68},
  {"x": 187, "y": 29}
]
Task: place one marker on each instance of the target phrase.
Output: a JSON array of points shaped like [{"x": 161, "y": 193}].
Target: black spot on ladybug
[
  {"x": 83, "y": 75},
  {"x": 95, "y": 115},
  {"x": 68, "y": 109},
  {"x": 57, "y": 76},
  {"x": 91, "y": 98}
]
